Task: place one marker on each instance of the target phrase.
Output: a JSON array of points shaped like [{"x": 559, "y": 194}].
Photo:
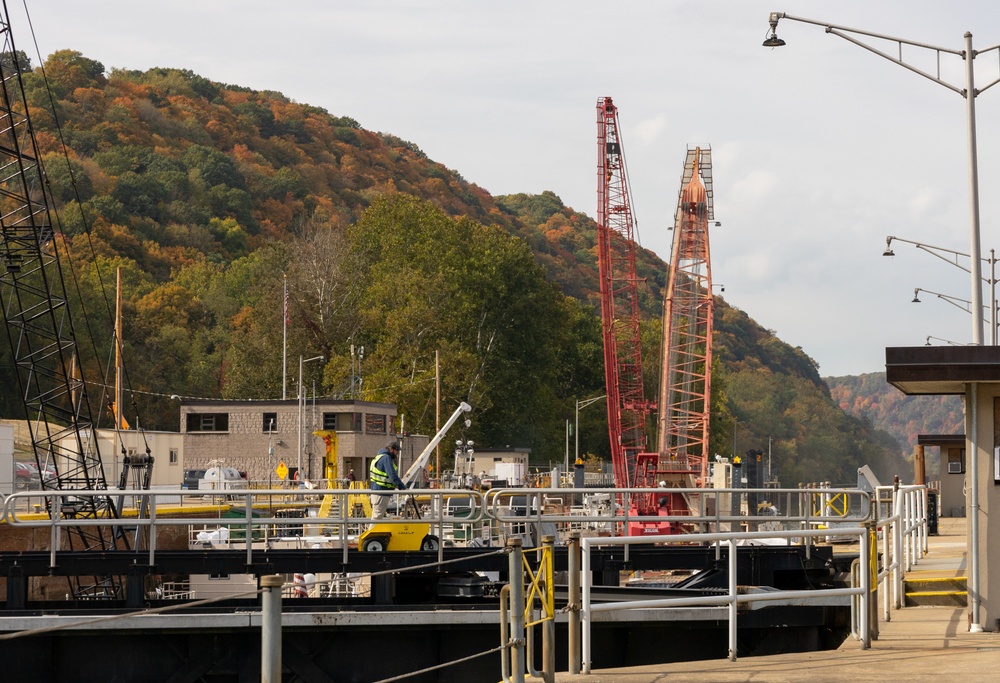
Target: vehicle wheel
[
  {"x": 430, "y": 543},
  {"x": 374, "y": 545},
  {"x": 21, "y": 483}
]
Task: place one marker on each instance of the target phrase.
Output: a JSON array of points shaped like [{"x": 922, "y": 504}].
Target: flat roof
[
  {"x": 941, "y": 439},
  {"x": 940, "y": 370}
]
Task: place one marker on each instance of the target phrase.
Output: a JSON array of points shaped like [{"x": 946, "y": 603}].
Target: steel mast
[
  {"x": 627, "y": 405},
  {"x": 686, "y": 373}
]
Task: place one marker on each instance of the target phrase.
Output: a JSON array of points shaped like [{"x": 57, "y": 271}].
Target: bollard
[
  {"x": 573, "y": 627},
  {"x": 516, "y": 582},
  {"x": 270, "y": 643}
]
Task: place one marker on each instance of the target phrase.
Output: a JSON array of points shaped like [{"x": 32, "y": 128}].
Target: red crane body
[{"x": 627, "y": 405}]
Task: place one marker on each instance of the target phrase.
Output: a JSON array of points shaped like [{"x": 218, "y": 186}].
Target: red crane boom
[{"x": 627, "y": 405}]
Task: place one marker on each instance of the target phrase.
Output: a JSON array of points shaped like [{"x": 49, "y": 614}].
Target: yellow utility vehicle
[
  {"x": 414, "y": 535},
  {"x": 382, "y": 537}
]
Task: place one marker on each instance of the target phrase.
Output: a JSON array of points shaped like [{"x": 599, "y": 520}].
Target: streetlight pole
[
  {"x": 581, "y": 404},
  {"x": 969, "y": 93},
  {"x": 975, "y": 269},
  {"x": 937, "y": 253},
  {"x": 301, "y": 402}
]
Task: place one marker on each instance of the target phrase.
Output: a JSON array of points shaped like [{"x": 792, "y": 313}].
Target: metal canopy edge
[{"x": 940, "y": 370}]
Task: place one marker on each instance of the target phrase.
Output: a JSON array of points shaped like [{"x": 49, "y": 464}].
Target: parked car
[
  {"x": 48, "y": 473},
  {"x": 25, "y": 475}
]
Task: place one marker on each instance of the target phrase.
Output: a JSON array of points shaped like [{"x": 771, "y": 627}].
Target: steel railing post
[
  {"x": 865, "y": 620},
  {"x": 732, "y": 600},
  {"x": 516, "y": 581},
  {"x": 270, "y": 646},
  {"x": 573, "y": 626},
  {"x": 585, "y": 614}
]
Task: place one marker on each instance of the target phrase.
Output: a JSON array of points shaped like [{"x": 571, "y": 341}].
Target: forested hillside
[
  {"x": 870, "y": 398},
  {"x": 211, "y": 197}
]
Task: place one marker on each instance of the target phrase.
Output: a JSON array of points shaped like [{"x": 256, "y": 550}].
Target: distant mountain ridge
[{"x": 869, "y": 397}]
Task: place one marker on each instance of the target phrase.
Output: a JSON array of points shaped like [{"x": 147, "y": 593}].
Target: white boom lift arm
[{"x": 419, "y": 463}]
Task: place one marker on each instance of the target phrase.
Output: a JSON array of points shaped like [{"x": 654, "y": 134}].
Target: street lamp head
[
  {"x": 916, "y": 299},
  {"x": 773, "y": 40},
  {"x": 928, "y": 341},
  {"x": 888, "y": 247}
]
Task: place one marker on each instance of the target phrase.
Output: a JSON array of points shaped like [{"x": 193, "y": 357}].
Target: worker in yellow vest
[{"x": 383, "y": 475}]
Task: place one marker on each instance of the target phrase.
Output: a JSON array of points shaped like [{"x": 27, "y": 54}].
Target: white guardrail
[
  {"x": 904, "y": 540},
  {"x": 899, "y": 521}
]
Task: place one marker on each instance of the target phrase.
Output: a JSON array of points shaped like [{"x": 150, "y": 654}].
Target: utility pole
[{"x": 437, "y": 413}]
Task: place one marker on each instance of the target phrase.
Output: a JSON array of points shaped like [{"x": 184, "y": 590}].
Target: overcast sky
[{"x": 820, "y": 148}]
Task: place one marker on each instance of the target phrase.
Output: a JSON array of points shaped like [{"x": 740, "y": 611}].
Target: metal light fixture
[
  {"x": 916, "y": 299},
  {"x": 773, "y": 40},
  {"x": 969, "y": 93},
  {"x": 928, "y": 341},
  {"x": 888, "y": 247}
]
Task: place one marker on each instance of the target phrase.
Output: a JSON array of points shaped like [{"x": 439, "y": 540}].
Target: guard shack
[{"x": 972, "y": 372}]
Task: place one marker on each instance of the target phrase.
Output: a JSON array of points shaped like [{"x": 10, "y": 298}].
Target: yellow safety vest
[{"x": 377, "y": 476}]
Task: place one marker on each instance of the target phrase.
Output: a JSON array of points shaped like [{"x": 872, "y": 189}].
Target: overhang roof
[
  {"x": 941, "y": 440},
  {"x": 940, "y": 370}
]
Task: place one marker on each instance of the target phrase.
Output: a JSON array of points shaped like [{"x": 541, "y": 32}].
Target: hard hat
[{"x": 393, "y": 446}]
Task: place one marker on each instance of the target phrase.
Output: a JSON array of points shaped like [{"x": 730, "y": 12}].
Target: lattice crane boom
[
  {"x": 686, "y": 372},
  {"x": 626, "y": 402},
  {"x": 40, "y": 329}
]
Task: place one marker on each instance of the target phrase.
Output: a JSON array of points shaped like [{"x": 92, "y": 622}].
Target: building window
[
  {"x": 173, "y": 456},
  {"x": 270, "y": 422},
  {"x": 342, "y": 422},
  {"x": 374, "y": 424},
  {"x": 208, "y": 422}
]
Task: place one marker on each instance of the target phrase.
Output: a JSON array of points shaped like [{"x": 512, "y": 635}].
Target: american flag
[{"x": 286, "y": 301}]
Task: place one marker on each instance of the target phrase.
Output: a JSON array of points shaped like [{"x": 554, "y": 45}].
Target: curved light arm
[
  {"x": 848, "y": 34},
  {"x": 955, "y": 301},
  {"x": 933, "y": 251},
  {"x": 587, "y": 401},
  {"x": 946, "y": 341}
]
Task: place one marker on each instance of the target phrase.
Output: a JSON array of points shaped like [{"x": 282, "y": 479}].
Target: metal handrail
[
  {"x": 732, "y": 598},
  {"x": 799, "y": 501},
  {"x": 339, "y": 516}
]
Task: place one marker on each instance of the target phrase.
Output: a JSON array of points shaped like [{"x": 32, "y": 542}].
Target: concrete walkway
[{"x": 918, "y": 644}]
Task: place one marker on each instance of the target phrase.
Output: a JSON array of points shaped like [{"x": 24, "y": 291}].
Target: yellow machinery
[
  {"x": 414, "y": 535},
  {"x": 383, "y": 537}
]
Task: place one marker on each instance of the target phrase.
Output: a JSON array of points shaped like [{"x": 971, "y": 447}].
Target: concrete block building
[{"x": 257, "y": 436}]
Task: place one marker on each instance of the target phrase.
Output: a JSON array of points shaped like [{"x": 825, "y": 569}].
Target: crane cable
[{"x": 87, "y": 232}]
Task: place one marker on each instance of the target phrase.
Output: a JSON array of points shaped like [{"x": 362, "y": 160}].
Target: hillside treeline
[
  {"x": 210, "y": 198},
  {"x": 870, "y": 398}
]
